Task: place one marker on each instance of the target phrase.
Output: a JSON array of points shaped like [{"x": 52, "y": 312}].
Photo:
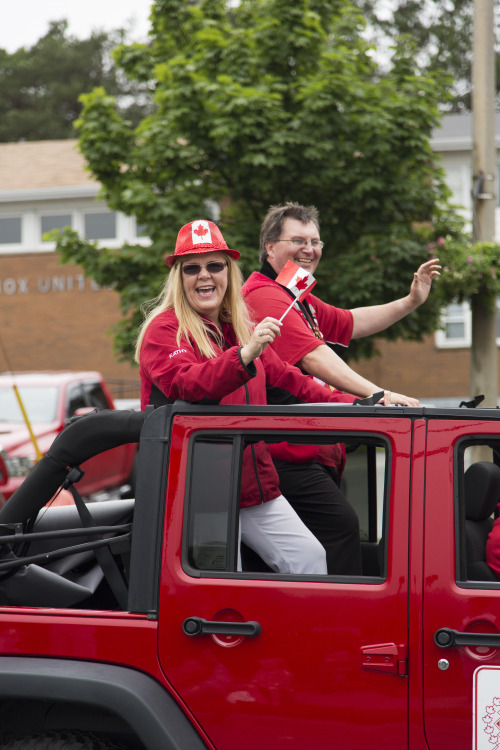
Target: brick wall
[
  {"x": 51, "y": 317},
  {"x": 420, "y": 370}
]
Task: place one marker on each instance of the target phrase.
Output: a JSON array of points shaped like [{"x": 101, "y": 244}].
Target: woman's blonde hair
[{"x": 191, "y": 325}]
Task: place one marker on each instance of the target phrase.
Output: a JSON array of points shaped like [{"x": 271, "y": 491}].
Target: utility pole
[{"x": 484, "y": 358}]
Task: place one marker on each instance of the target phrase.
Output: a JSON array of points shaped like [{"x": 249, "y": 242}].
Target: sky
[{"x": 24, "y": 22}]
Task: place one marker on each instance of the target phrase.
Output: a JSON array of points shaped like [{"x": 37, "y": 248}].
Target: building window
[
  {"x": 456, "y": 326},
  {"x": 459, "y": 180},
  {"x": 29, "y": 230},
  {"x": 100, "y": 225},
  {"x": 141, "y": 230},
  {"x": 54, "y": 221},
  {"x": 456, "y": 329},
  {"x": 10, "y": 230}
]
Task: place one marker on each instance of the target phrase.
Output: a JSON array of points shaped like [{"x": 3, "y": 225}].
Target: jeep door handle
[
  {"x": 447, "y": 638},
  {"x": 198, "y": 626}
]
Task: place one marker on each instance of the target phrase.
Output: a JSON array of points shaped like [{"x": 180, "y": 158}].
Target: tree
[
  {"x": 40, "y": 86},
  {"x": 261, "y": 102},
  {"x": 471, "y": 273},
  {"x": 442, "y": 31}
]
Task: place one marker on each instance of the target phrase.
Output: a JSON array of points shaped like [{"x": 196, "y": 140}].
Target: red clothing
[
  {"x": 264, "y": 296},
  {"x": 181, "y": 371},
  {"x": 493, "y": 547},
  {"x": 329, "y": 325}
]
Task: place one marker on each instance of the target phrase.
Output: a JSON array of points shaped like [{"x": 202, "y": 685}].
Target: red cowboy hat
[{"x": 199, "y": 237}]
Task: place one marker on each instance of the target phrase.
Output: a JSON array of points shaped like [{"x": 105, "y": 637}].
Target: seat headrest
[{"x": 482, "y": 490}]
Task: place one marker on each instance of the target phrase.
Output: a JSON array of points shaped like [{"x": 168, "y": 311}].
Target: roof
[
  {"x": 47, "y": 378},
  {"x": 54, "y": 169},
  {"x": 30, "y": 165},
  {"x": 455, "y": 133}
]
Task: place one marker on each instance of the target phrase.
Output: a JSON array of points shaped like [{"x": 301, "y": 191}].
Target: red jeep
[
  {"x": 51, "y": 400},
  {"x": 127, "y": 623}
]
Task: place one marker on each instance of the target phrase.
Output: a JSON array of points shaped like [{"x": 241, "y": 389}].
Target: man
[{"x": 309, "y": 477}]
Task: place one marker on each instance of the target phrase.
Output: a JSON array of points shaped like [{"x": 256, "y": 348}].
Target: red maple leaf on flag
[
  {"x": 200, "y": 230},
  {"x": 301, "y": 284}
]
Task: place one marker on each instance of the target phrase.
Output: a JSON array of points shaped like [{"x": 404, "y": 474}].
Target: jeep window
[
  {"x": 213, "y": 499},
  {"x": 40, "y": 404},
  {"x": 477, "y": 494},
  {"x": 212, "y": 516}
]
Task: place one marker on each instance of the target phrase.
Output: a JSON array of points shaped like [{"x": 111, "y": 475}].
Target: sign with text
[
  {"x": 486, "y": 708},
  {"x": 12, "y": 286}
]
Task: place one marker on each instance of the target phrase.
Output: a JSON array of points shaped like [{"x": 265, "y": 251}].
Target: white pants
[{"x": 279, "y": 537}]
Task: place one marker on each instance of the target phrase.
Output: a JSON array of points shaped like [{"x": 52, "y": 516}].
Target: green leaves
[
  {"x": 470, "y": 270},
  {"x": 263, "y": 101},
  {"x": 40, "y": 86},
  {"x": 440, "y": 31}
]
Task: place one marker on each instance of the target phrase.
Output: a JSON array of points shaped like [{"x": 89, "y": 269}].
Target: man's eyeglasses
[
  {"x": 193, "y": 269},
  {"x": 302, "y": 242}
]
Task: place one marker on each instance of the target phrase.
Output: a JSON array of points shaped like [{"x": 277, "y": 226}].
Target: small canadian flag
[
  {"x": 297, "y": 280},
  {"x": 200, "y": 233}
]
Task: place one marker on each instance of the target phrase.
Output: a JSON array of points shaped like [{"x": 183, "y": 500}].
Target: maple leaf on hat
[
  {"x": 200, "y": 233},
  {"x": 200, "y": 230}
]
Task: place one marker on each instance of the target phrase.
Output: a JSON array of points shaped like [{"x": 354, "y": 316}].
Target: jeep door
[
  {"x": 461, "y": 596},
  {"x": 264, "y": 660}
]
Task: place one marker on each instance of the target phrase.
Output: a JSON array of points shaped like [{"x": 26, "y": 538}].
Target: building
[
  {"x": 438, "y": 370},
  {"x": 52, "y": 317}
]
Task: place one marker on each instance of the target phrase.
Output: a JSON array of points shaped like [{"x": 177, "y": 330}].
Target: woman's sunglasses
[{"x": 193, "y": 269}]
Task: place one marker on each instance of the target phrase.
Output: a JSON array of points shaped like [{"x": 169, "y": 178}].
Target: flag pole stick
[
  {"x": 21, "y": 405},
  {"x": 288, "y": 308},
  {"x": 27, "y": 422}
]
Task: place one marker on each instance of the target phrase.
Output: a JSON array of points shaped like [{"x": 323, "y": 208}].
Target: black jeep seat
[
  {"x": 72, "y": 578},
  {"x": 481, "y": 495}
]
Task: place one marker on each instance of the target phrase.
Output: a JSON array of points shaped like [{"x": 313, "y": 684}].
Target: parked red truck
[
  {"x": 161, "y": 643},
  {"x": 50, "y": 400}
]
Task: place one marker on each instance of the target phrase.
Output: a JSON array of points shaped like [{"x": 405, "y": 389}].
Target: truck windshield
[{"x": 39, "y": 403}]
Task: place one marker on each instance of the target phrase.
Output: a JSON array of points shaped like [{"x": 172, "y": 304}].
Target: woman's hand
[{"x": 263, "y": 334}]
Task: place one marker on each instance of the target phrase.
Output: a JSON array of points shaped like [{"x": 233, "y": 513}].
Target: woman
[{"x": 198, "y": 344}]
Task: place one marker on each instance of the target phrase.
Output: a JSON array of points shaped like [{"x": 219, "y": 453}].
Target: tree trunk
[
  {"x": 483, "y": 360},
  {"x": 483, "y": 378}
]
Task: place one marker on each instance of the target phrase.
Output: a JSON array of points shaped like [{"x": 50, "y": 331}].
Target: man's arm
[
  {"x": 323, "y": 363},
  {"x": 370, "y": 320}
]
